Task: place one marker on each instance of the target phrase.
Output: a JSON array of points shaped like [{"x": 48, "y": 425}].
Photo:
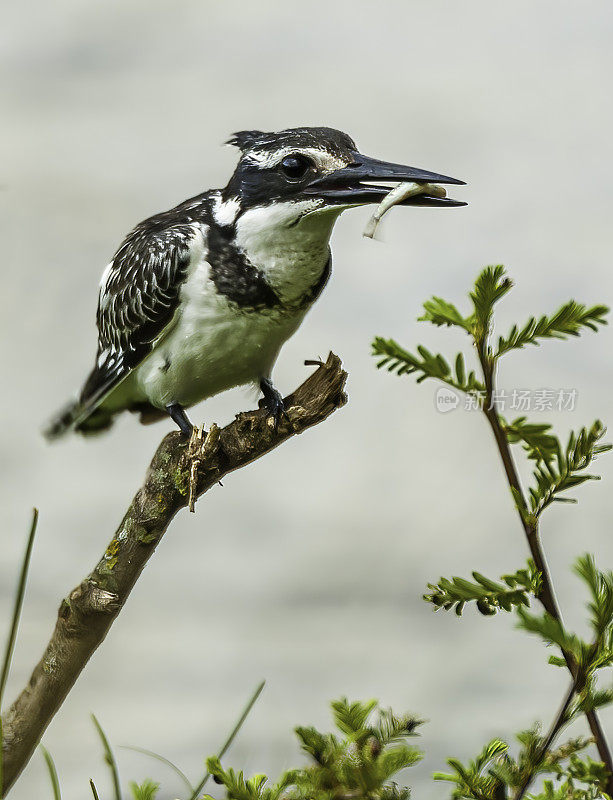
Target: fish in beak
[{"x": 369, "y": 180}]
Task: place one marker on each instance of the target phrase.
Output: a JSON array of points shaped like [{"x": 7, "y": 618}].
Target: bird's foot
[
  {"x": 178, "y": 415},
  {"x": 273, "y": 403}
]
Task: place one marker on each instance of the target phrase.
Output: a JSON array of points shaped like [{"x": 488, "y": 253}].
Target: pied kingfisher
[{"x": 201, "y": 298}]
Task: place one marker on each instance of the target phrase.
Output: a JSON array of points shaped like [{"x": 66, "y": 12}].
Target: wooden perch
[{"x": 88, "y": 612}]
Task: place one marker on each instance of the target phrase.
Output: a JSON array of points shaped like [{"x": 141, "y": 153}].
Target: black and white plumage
[{"x": 200, "y": 298}]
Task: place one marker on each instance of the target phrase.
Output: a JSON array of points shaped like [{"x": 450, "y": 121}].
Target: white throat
[{"x": 291, "y": 250}]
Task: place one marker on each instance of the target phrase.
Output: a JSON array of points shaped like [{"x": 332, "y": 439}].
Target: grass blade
[
  {"x": 230, "y": 739},
  {"x": 94, "y": 790},
  {"x": 164, "y": 760},
  {"x": 55, "y": 782},
  {"x": 109, "y": 758},
  {"x": 10, "y": 644}
]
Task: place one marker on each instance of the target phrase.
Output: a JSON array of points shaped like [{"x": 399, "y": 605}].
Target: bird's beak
[{"x": 368, "y": 180}]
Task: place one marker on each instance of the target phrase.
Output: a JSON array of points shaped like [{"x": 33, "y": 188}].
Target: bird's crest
[{"x": 244, "y": 140}]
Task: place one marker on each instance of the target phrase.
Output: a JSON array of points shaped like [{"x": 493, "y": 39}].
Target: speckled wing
[{"x": 139, "y": 295}]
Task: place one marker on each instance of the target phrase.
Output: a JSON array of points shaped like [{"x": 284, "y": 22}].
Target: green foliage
[
  {"x": 533, "y": 760},
  {"x": 552, "y": 632},
  {"x": 491, "y": 286},
  {"x": 538, "y": 443},
  {"x": 567, "y": 321},
  {"x": 147, "y": 790},
  {"x": 557, "y": 469},
  {"x": 569, "y": 791},
  {"x": 237, "y": 787},
  {"x": 440, "y": 312},
  {"x": 495, "y": 773},
  {"x": 567, "y": 469},
  {"x": 350, "y": 718},
  {"x": 390, "y": 728},
  {"x": 425, "y": 365},
  {"x": 475, "y": 779},
  {"x": 586, "y": 771},
  {"x": 589, "y": 657},
  {"x": 490, "y": 596},
  {"x": 600, "y": 585},
  {"x": 360, "y": 764}
]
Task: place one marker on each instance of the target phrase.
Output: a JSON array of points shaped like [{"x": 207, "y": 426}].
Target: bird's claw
[
  {"x": 276, "y": 411},
  {"x": 273, "y": 403}
]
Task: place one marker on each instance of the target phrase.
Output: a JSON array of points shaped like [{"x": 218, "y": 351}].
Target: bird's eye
[{"x": 295, "y": 166}]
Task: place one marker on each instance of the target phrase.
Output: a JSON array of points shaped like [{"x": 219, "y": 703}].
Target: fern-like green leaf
[
  {"x": 600, "y": 585},
  {"x": 315, "y": 744},
  {"x": 474, "y": 780},
  {"x": 425, "y": 365},
  {"x": 491, "y": 285},
  {"x": 553, "y": 632},
  {"x": 350, "y": 718},
  {"x": 569, "y": 320},
  {"x": 396, "y": 758},
  {"x": 147, "y": 790},
  {"x": 568, "y": 471},
  {"x": 539, "y": 444},
  {"x": 391, "y": 728},
  {"x": 490, "y": 596},
  {"x": 440, "y": 312}
]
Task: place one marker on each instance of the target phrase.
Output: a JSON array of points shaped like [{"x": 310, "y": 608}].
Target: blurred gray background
[{"x": 308, "y": 567}]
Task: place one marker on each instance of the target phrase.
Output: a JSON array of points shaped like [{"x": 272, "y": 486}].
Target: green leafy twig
[
  {"x": 552, "y": 479},
  {"x": 475, "y": 779},
  {"x": 567, "y": 321},
  {"x": 557, "y": 469},
  {"x": 496, "y": 773},
  {"x": 491, "y": 286},
  {"x": 588, "y": 657},
  {"x": 600, "y": 585},
  {"x": 490, "y": 596},
  {"x": 538, "y": 443},
  {"x": 425, "y": 365},
  {"x": 440, "y": 312}
]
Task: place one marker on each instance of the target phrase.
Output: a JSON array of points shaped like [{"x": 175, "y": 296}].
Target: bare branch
[{"x": 87, "y": 613}]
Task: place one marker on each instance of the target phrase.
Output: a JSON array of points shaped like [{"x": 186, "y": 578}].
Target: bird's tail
[{"x": 77, "y": 416}]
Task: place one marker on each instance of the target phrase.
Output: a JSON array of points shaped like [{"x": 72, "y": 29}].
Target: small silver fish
[{"x": 397, "y": 195}]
